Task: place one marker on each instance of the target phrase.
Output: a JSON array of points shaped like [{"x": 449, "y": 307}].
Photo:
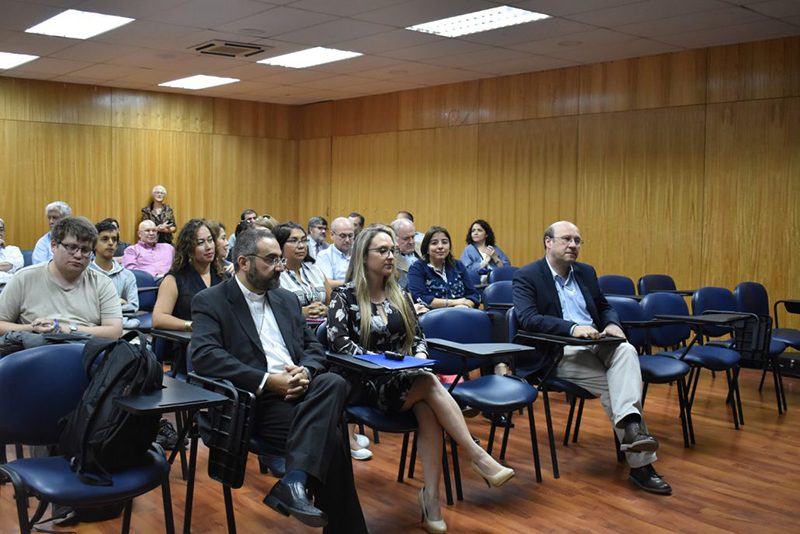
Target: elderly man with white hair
[
  {"x": 10, "y": 256},
  {"x": 54, "y": 212}
]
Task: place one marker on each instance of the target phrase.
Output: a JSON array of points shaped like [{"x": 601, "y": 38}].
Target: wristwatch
[{"x": 73, "y": 328}]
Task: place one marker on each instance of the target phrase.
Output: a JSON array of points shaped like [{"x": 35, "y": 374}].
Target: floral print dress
[{"x": 387, "y": 392}]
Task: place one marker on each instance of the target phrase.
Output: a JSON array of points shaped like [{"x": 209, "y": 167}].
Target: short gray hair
[
  {"x": 247, "y": 243},
  {"x": 59, "y": 205}
]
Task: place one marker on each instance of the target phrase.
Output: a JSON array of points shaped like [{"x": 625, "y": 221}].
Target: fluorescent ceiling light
[
  {"x": 310, "y": 57},
  {"x": 199, "y": 81},
  {"x": 9, "y": 60},
  {"x": 78, "y": 24},
  {"x": 480, "y": 21}
]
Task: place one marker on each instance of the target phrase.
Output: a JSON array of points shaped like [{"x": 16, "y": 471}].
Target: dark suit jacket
[
  {"x": 537, "y": 305},
  {"x": 225, "y": 343}
]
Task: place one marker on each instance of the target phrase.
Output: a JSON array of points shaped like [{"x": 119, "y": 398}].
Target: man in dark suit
[
  {"x": 558, "y": 295},
  {"x": 251, "y": 332}
]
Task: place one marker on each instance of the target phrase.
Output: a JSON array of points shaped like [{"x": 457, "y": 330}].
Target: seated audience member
[
  {"x": 371, "y": 314},
  {"x": 54, "y": 211},
  {"x": 358, "y": 222},
  {"x": 266, "y": 221},
  {"x": 247, "y": 216},
  {"x": 302, "y": 278},
  {"x": 194, "y": 268},
  {"x": 148, "y": 254},
  {"x": 250, "y": 331},
  {"x": 407, "y": 254},
  {"x": 482, "y": 254},
  {"x": 124, "y": 281},
  {"x": 439, "y": 280},
  {"x": 121, "y": 245},
  {"x": 62, "y": 295},
  {"x": 218, "y": 231},
  {"x": 10, "y": 256},
  {"x": 558, "y": 295},
  {"x": 334, "y": 260},
  {"x": 161, "y": 214},
  {"x": 317, "y": 230},
  {"x": 417, "y": 235}
]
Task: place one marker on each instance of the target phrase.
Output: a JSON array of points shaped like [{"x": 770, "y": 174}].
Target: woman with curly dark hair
[
  {"x": 195, "y": 267},
  {"x": 482, "y": 254}
]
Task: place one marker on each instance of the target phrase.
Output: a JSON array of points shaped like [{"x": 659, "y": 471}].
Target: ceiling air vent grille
[{"x": 229, "y": 48}]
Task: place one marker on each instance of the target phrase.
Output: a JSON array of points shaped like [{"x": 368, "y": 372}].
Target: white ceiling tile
[
  {"x": 384, "y": 42},
  {"x": 344, "y": 8},
  {"x": 594, "y": 38},
  {"x": 444, "y": 75},
  {"x": 334, "y": 31},
  {"x": 31, "y": 43},
  {"x": 778, "y": 8},
  {"x": 336, "y": 82},
  {"x": 405, "y": 71},
  {"x": 106, "y": 72},
  {"x": 89, "y": 51},
  {"x": 277, "y": 20},
  {"x": 140, "y": 9},
  {"x": 531, "y": 63},
  {"x": 51, "y": 66},
  {"x": 387, "y": 86},
  {"x": 532, "y": 31},
  {"x": 22, "y": 15},
  {"x": 414, "y": 12},
  {"x": 696, "y": 21},
  {"x": 211, "y": 13},
  {"x": 14, "y": 73},
  {"x": 732, "y": 34},
  {"x": 635, "y": 48},
  {"x": 648, "y": 10},
  {"x": 562, "y": 7},
  {"x": 357, "y": 65},
  {"x": 292, "y": 76},
  {"x": 445, "y": 47},
  {"x": 479, "y": 57}
]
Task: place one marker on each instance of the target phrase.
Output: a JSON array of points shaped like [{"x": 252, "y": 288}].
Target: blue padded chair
[
  {"x": 502, "y": 273},
  {"x": 532, "y": 368},
  {"x": 674, "y": 336},
  {"x": 27, "y": 257},
  {"x": 497, "y": 299},
  {"x": 655, "y": 282},
  {"x": 616, "y": 284},
  {"x": 492, "y": 394},
  {"x": 751, "y": 297},
  {"x": 38, "y": 387},
  {"x": 655, "y": 369},
  {"x": 147, "y": 288}
]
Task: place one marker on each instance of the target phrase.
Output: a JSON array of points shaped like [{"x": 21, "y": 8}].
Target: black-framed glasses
[
  {"x": 569, "y": 239},
  {"x": 272, "y": 260},
  {"x": 72, "y": 249},
  {"x": 384, "y": 251}
]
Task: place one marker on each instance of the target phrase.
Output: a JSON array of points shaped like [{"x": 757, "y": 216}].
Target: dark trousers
[{"x": 308, "y": 434}]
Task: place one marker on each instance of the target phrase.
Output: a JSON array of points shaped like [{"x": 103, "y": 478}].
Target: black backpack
[{"x": 98, "y": 437}]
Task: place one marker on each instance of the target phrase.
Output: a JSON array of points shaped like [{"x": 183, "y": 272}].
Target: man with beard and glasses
[{"x": 250, "y": 331}]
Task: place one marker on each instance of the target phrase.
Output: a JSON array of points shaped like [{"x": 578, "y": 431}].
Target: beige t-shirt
[{"x": 33, "y": 293}]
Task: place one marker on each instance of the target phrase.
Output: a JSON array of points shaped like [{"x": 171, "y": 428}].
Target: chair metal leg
[
  {"x": 230, "y": 516},
  {"x": 448, "y": 490},
  {"x": 376, "y": 437},
  {"x": 578, "y": 420},
  {"x": 166, "y": 497},
  {"x": 126, "y": 517},
  {"x": 644, "y": 392},
  {"x": 537, "y": 467},
  {"x": 730, "y": 396},
  {"x": 18, "y": 451},
  {"x": 763, "y": 375},
  {"x": 413, "y": 460},
  {"x": 682, "y": 410},
  {"x": 738, "y": 394},
  {"x": 21, "y": 498},
  {"x": 505, "y": 436},
  {"x": 550, "y": 436},
  {"x": 490, "y": 443},
  {"x": 187, "y": 518},
  {"x": 568, "y": 428},
  {"x": 403, "y": 453},
  {"x": 456, "y": 469}
]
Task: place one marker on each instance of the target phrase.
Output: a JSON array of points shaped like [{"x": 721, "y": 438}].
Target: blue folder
[{"x": 408, "y": 362}]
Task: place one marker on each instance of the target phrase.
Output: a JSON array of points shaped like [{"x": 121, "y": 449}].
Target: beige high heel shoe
[
  {"x": 433, "y": 526},
  {"x": 496, "y": 480}
]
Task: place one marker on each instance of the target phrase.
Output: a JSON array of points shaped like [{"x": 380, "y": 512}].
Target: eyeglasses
[
  {"x": 345, "y": 236},
  {"x": 384, "y": 251},
  {"x": 72, "y": 249},
  {"x": 272, "y": 260},
  {"x": 569, "y": 239}
]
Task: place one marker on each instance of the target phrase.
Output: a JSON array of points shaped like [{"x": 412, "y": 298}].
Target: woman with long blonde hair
[{"x": 370, "y": 313}]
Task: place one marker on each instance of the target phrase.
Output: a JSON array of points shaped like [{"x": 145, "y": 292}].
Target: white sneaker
[
  {"x": 362, "y": 440},
  {"x": 361, "y": 454}
]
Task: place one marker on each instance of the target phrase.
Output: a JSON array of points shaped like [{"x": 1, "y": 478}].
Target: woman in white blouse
[{"x": 302, "y": 278}]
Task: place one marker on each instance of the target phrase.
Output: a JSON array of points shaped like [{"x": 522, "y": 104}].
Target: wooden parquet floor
[{"x": 731, "y": 481}]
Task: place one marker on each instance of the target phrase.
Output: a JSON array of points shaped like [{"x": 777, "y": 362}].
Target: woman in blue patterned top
[
  {"x": 371, "y": 313},
  {"x": 439, "y": 280},
  {"x": 482, "y": 254}
]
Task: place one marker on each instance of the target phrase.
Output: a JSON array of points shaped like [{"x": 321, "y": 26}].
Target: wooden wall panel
[
  {"x": 162, "y": 111},
  {"x": 752, "y": 189},
  {"x": 749, "y": 71},
  {"x": 676, "y": 79},
  {"x": 313, "y": 179},
  {"x": 454, "y": 104},
  {"x": 314, "y": 120},
  {"x": 529, "y": 96},
  {"x": 639, "y": 193},
  {"x": 369, "y": 114},
  {"x": 527, "y": 180},
  {"x": 34, "y": 100},
  {"x": 251, "y": 173},
  {"x": 43, "y": 162},
  {"x": 251, "y": 119}
]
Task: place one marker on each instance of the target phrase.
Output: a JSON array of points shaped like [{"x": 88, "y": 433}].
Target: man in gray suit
[{"x": 251, "y": 332}]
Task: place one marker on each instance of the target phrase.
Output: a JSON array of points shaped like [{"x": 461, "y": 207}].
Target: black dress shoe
[
  {"x": 635, "y": 440},
  {"x": 647, "y": 479},
  {"x": 291, "y": 499},
  {"x": 273, "y": 464}
]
